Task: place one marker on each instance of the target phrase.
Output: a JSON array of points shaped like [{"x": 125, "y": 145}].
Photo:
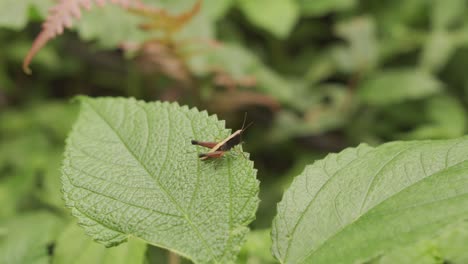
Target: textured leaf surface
[
  {"x": 363, "y": 201},
  {"x": 448, "y": 247},
  {"x": 25, "y": 238},
  {"x": 73, "y": 246},
  {"x": 130, "y": 169},
  {"x": 394, "y": 86}
]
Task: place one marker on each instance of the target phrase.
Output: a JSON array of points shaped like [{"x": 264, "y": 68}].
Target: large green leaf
[
  {"x": 130, "y": 169},
  {"x": 277, "y": 17},
  {"x": 448, "y": 247},
  {"x": 26, "y": 238},
  {"x": 398, "y": 85},
  {"x": 73, "y": 246},
  {"x": 364, "y": 201}
]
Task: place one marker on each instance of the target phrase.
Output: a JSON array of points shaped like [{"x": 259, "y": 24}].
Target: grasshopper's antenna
[
  {"x": 244, "y": 127},
  {"x": 245, "y": 118},
  {"x": 247, "y": 126}
]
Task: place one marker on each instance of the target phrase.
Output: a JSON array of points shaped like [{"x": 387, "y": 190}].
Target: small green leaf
[
  {"x": 110, "y": 26},
  {"x": 130, "y": 169},
  {"x": 321, "y": 7},
  {"x": 50, "y": 184},
  {"x": 216, "y": 9},
  {"x": 73, "y": 246},
  {"x": 394, "y": 86},
  {"x": 14, "y": 13},
  {"x": 277, "y": 17},
  {"x": 257, "y": 248},
  {"x": 361, "y": 53},
  {"x": 437, "y": 50},
  {"x": 365, "y": 201},
  {"x": 30, "y": 169},
  {"x": 25, "y": 238},
  {"x": 447, "y": 119},
  {"x": 239, "y": 62},
  {"x": 19, "y": 167},
  {"x": 445, "y": 14}
]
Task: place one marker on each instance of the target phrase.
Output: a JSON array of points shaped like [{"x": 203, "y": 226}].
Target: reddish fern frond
[{"x": 61, "y": 16}]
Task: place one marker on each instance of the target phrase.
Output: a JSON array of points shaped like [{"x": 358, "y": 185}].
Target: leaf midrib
[
  {"x": 313, "y": 199},
  {"x": 166, "y": 192},
  {"x": 326, "y": 183}
]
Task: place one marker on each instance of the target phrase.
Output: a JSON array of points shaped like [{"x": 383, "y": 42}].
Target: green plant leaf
[
  {"x": 257, "y": 248},
  {"x": 321, "y": 7},
  {"x": 318, "y": 118},
  {"x": 447, "y": 119},
  {"x": 239, "y": 62},
  {"x": 130, "y": 169},
  {"x": 398, "y": 85},
  {"x": 73, "y": 246},
  {"x": 364, "y": 201},
  {"x": 277, "y": 17},
  {"x": 211, "y": 9},
  {"x": 110, "y": 26},
  {"x": 437, "y": 50},
  {"x": 447, "y": 14},
  {"x": 49, "y": 189},
  {"x": 19, "y": 166},
  {"x": 361, "y": 53},
  {"x": 14, "y": 13},
  {"x": 30, "y": 169},
  {"x": 25, "y": 238},
  {"x": 216, "y": 9},
  {"x": 448, "y": 247}
]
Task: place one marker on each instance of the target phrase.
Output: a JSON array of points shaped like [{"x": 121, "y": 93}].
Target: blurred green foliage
[{"x": 314, "y": 77}]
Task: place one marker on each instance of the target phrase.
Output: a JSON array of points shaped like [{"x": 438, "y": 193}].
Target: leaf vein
[{"x": 197, "y": 232}]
